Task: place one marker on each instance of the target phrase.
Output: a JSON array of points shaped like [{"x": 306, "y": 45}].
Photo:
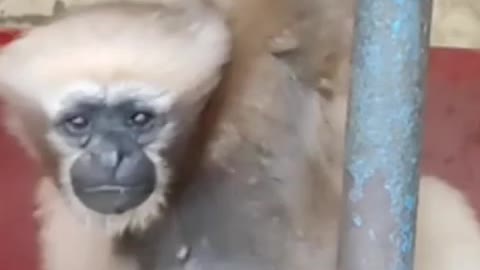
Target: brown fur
[{"x": 285, "y": 89}]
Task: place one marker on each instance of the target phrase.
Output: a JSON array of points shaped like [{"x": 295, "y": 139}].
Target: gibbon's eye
[
  {"x": 141, "y": 119},
  {"x": 77, "y": 124}
]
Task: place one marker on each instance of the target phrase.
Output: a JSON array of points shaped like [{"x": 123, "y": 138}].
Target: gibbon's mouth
[
  {"x": 113, "y": 199},
  {"x": 113, "y": 188}
]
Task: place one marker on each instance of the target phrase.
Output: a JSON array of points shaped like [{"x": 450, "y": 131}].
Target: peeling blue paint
[
  {"x": 384, "y": 127},
  {"x": 357, "y": 220}
]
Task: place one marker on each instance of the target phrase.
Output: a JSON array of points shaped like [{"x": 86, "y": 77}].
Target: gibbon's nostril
[{"x": 136, "y": 168}]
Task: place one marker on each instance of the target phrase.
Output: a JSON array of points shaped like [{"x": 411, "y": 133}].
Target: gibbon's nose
[{"x": 113, "y": 176}]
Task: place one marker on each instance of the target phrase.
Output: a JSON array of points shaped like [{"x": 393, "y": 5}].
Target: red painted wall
[
  {"x": 18, "y": 250},
  {"x": 451, "y": 151},
  {"x": 452, "y": 120}
]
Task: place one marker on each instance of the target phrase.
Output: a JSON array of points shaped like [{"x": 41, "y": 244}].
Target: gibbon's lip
[
  {"x": 113, "y": 188},
  {"x": 114, "y": 199}
]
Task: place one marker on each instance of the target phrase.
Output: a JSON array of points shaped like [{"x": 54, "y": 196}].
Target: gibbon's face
[
  {"x": 114, "y": 147},
  {"x": 115, "y": 86}
]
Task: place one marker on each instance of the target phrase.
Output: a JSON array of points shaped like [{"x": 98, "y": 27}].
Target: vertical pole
[{"x": 383, "y": 142}]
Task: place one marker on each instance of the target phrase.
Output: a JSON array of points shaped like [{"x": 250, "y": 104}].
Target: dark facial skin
[{"x": 113, "y": 174}]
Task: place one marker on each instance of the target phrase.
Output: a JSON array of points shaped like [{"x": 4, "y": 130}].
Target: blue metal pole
[{"x": 383, "y": 142}]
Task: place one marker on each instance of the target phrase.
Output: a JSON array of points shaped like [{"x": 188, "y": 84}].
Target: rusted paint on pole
[{"x": 384, "y": 134}]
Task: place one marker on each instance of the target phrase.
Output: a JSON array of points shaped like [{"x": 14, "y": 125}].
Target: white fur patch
[{"x": 111, "y": 94}]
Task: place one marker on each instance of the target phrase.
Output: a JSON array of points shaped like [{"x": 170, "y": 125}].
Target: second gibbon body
[{"x": 108, "y": 100}]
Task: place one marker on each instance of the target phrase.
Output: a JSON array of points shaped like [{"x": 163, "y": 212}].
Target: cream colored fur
[
  {"x": 173, "y": 45},
  {"x": 173, "y": 48}
]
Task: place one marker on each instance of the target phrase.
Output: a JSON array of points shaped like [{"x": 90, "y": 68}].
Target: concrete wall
[{"x": 456, "y": 23}]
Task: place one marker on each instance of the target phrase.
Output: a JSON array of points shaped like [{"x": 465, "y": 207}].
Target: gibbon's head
[{"x": 102, "y": 94}]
